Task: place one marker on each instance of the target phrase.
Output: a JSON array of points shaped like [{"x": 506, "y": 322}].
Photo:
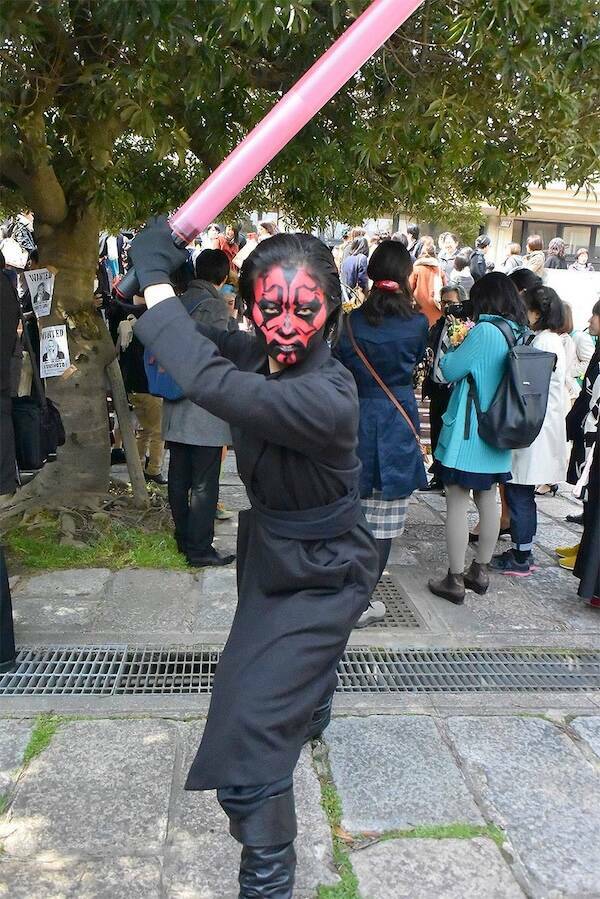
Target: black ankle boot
[
  {"x": 476, "y": 578},
  {"x": 267, "y": 872},
  {"x": 451, "y": 587}
]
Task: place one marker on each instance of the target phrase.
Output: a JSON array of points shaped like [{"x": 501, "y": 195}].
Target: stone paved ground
[
  {"x": 431, "y": 806},
  {"x": 428, "y": 796}
]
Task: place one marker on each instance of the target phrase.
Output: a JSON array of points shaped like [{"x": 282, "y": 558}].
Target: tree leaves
[{"x": 139, "y": 101}]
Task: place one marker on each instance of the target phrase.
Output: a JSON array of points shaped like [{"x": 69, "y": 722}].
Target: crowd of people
[{"x": 449, "y": 306}]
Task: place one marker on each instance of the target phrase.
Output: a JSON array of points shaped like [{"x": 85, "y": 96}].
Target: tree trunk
[{"x": 83, "y": 464}]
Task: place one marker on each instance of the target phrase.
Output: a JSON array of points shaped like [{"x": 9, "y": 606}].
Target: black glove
[{"x": 154, "y": 255}]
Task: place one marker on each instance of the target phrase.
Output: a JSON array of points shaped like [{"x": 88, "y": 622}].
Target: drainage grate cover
[
  {"x": 400, "y": 612},
  {"x": 174, "y": 670},
  {"x": 57, "y": 670},
  {"x": 119, "y": 670}
]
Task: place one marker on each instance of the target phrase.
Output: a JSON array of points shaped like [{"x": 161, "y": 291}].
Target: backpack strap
[
  {"x": 506, "y": 329},
  {"x": 472, "y": 400}
]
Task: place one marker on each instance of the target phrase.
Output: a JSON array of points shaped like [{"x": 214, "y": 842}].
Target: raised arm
[{"x": 291, "y": 412}]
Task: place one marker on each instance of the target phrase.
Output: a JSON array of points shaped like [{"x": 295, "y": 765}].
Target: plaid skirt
[{"x": 385, "y": 516}]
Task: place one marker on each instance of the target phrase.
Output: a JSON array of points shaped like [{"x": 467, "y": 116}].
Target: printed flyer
[
  {"x": 54, "y": 351},
  {"x": 41, "y": 287}
]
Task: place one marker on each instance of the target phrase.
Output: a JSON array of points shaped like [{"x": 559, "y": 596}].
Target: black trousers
[{"x": 193, "y": 496}]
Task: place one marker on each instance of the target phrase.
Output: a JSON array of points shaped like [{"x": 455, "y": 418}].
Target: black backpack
[{"x": 516, "y": 414}]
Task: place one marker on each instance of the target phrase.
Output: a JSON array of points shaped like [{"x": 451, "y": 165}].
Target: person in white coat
[{"x": 545, "y": 461}]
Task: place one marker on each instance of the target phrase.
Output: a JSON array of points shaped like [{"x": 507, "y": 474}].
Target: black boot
[
  {"x": 476, "y": 578},
  {"x": 451, "y": 587},
  {"x": 268, "y": 862},
  {"x": 267, "y": 872}
]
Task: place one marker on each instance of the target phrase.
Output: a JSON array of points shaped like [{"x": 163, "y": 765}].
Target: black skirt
[{"x": 470, "y": 480}]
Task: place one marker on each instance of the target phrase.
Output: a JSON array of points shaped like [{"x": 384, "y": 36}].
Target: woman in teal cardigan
[{"x": 463, "y": 461}]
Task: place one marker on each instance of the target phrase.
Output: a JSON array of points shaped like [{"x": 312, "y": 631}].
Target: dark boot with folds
[
  {"x": 268, "y": 862},
  {"x": 451, "y": 587},
  {"x": 477, "y": 578}
]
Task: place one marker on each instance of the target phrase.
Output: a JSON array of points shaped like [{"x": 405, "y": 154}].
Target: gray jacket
[{"x": 182, "y": 420}]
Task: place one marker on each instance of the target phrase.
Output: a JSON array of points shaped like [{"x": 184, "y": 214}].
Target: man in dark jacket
[
  {"x": 195, "y": 437},
  {"x": 478, "y": 263}
]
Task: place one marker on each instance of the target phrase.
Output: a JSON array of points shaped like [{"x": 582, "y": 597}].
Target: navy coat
[{"x": 391, "y": 460}]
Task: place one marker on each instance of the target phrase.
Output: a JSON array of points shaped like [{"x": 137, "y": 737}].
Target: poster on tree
[
  {"x": 41, "y": 287},
  {"x": 54, "y": 351}
]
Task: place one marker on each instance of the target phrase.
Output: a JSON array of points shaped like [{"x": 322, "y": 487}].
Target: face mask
[{"x": 289, "y": 311}]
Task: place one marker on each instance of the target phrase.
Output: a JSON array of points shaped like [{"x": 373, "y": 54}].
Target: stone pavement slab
[
  {"x": 54, "y": 613},
  {"x": 539, "y": 787},
  {"x": 14, "y": 737},
  {"x": 73, "y": 582},
  {"x": 202, "y": 859},
  {"x": 122, "y": 878},
  {"x": 149, "y": 599},
  {"x": 396, "y": 773},
  {"x": 100, "y": 788},
  {"x": 588, "y": 729},
  {"x": 434, "y": 869}
]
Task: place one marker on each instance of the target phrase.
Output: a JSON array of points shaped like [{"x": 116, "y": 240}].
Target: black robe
[{"x": 306, "y": 558}]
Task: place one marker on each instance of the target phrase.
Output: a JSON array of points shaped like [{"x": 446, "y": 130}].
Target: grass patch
[
  {"x": 332, "y": 805},
  {"x": 4, "y": 800},
  {"x": 115, "y": 546},
  {"x": 456, "y": 831},
  {"x": 41, "y": 736}
]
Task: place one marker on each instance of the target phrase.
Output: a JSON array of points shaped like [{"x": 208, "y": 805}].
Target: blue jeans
[{"x": 523, "y": 514}]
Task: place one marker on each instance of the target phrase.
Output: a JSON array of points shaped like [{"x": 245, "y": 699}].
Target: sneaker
[
  {"x": 222, "y": 514},
  {"x": 506, "y": 563},
  {"x": 594, "y": 602},
  {"x": 376, "y": 611}
]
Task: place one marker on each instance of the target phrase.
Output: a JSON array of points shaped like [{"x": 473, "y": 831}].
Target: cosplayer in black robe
[{"x": 307, "y": 562}]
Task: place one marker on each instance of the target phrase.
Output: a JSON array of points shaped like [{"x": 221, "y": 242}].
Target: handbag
[
  {"x": 37, "y": 423},
  {"x": 384, "y": 387}
]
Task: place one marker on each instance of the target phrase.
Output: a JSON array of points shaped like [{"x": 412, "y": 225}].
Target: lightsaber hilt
[{"x": 129, "y": 286}]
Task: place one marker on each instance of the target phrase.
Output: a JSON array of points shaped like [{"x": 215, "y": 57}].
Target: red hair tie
[{"x": 386, "y": 285}]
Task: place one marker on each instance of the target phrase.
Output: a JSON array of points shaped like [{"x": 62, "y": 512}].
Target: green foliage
[
  {"x": 131, "y": 104},
  {"x": 118, "y": 547},
  {"x": 41, "y": 736}
]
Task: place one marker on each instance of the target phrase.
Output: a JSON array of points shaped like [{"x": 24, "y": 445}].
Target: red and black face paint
[{"x": 289, "y": 310}]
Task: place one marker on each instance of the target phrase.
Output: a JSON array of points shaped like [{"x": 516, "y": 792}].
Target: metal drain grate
[
  {"x": 65, "y": 670},
  {"x": 174, "y": 670},
  {"x": 400, "y": 612},
  {"x": 119, "y": 670}
]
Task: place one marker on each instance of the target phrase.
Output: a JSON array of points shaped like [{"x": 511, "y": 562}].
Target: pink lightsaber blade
[
  {"x": 291, "y": 113},
  {"x": 295, "y": 109}
]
